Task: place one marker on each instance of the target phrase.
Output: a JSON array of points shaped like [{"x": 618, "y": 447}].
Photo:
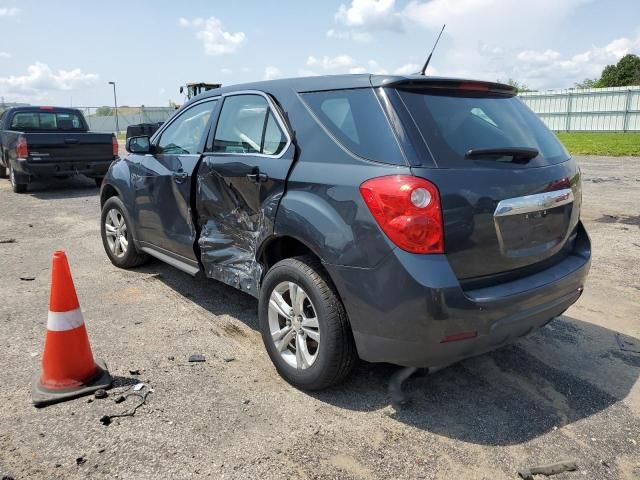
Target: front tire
[
  {"x": 16, "y": 186},
  {"x": 117, "y": 238},
  {"x": 304, "y": 325}
]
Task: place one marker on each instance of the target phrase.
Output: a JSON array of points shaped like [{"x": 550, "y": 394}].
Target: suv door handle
[
  {"x": 180, "y": 176},
  {"x": 257, "y": 177}
]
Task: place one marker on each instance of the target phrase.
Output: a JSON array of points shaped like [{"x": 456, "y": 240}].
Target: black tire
[
  {"x": 15, "y": 185},
  {"x": 98, "y": 181},
  {"x": 131, "y": 257},
  {"x": 336, "y": 353}
]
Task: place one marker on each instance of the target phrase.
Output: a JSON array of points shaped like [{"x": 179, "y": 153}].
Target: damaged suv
[{"x": 404, "y": 219}]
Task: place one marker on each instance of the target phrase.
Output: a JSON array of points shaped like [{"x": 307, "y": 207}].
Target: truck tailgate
[{"x": 69, "y": 146}]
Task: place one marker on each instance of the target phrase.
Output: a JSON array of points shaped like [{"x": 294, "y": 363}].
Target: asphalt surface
[{"x": 568, "y": 392}]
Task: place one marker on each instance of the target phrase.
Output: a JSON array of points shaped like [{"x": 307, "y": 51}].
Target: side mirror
[{"x": 140, "y": 144}]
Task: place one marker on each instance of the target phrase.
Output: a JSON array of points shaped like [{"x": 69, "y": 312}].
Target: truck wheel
[
  {"x": 117, "y": 238},
  {"x": 304, "y": 325},
  {"x": 17, "y": 187}
]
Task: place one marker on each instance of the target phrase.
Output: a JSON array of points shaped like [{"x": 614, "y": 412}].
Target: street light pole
[{"x": 115, "y": 103}]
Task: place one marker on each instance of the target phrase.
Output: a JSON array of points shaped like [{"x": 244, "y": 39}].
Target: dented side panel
[{"x": 236, "y": 214}]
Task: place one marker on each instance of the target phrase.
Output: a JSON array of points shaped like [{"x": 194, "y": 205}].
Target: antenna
[{"x": 426, "y": 64}]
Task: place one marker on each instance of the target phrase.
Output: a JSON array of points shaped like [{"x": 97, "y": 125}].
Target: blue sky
[{"x": 63, "y": 52}]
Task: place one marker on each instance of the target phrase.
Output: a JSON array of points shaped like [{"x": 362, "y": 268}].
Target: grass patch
[{"x": 609, "y": 144}]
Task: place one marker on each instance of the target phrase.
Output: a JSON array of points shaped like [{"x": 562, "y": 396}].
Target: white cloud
[
  {"x": 215, "y": 39},
  {"x": 407, "y": 69},
  {"x": 5, "y": 55},
  {"x": 370, "y": 15},
  {"x": 362, "y": 37},
  {"x": 330, "y": 63},
  {"x": 272, "y": 72},
  {"x": 9, "y": 11},
  {"x": 41, "y": 79}
]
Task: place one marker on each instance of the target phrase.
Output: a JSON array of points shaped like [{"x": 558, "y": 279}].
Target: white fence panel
[{"x": 614, "y": 109}]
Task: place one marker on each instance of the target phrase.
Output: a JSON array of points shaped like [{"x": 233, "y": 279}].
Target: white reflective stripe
[{"x": 62, "y": 321}]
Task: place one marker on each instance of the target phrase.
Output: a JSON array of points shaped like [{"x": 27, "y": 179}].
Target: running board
[{"x": 174, "y": 262}]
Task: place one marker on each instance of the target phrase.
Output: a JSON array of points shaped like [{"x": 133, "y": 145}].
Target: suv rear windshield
[
  {"x": 454, "y": 122},
  {"x": 356, "y": 120},
  {"x": 46, "y": 121}
]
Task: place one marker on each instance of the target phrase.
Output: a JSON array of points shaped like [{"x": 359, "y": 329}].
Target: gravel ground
[{"x": 566, "y": 392}]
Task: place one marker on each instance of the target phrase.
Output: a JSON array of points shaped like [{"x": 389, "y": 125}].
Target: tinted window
[
  {"x": 247, "y": 126},
  {"x": 184, "y": 134},
  {"x": 355, "y": 118},
  {"x": 46, "y": 121},
  {"x": 454, "y": 122}
]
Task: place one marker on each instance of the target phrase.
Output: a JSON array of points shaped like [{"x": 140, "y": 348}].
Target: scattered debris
[
  {"x": 246, "y": 401},
  {"x": 119, "y": 399},
  {"x": 172, "y": 358},
  {"x": 27, "y": 278},
  {"x": 106, "y": 419},
  {"x": 548, "y": 470},
  {"x": 7, "y": 240},
  {"x": 101, "y": 393},
  {"x": 138, "y": 386},
  {"x": 7, "y": 477},
  {"x": 134, "y": 372},
  {"x": 81, "y": 461},
  {"x": 228, "y": 359},
  {"x": 605, "y": 463},
  {"x": 626, "y": 344},
  {"x": 196, "y": 357}
]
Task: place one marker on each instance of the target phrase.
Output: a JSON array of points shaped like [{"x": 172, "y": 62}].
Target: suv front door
[
  {"x": 240, "y": 183},
  {"x": 163, "y": 185}
]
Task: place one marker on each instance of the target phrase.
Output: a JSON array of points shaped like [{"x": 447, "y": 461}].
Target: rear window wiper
[{"x": 517, "y": 154}]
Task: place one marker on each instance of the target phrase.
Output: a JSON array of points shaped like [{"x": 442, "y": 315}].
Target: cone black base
[{"x": 41, "y": 396}]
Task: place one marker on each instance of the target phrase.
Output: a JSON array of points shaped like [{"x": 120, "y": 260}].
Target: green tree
[
  {"x": 624, "y": 73},
  {"x": 521, "y": 87},
  {"x": 104, "y": 111},
  {"x": 588, "y": 83}
]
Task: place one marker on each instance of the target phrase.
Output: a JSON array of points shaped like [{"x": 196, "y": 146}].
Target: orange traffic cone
[{"x": 68, "y": 367}]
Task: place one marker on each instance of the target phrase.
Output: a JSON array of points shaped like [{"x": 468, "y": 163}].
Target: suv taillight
[
  {"x": 408, "y": 211},
  {"x": 22, "y": 149},
  {"x": 114, "y": 146}
]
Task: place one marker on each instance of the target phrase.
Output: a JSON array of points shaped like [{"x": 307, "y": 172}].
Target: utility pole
[{"x": 115, "y": 103}]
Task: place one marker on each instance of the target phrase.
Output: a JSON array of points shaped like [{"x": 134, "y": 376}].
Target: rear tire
[
  {"x": 16, "y": 186},
  {"x": 117, "y": 237},
  {"x": 323, "y": 362}
]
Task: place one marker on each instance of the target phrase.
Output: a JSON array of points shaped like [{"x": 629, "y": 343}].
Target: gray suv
[{"x": 404, "y": 219}]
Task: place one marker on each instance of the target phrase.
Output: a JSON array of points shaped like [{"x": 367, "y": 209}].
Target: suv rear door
[
  {"x": 503, "y": 213},
  {"x": 240, "y": 183},
  {"x": 162, "y": 184}
]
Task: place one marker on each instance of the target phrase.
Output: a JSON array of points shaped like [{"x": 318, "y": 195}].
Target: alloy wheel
[
  {"x": 293, "y": 323},
  {"x": 115, "y": 229}
]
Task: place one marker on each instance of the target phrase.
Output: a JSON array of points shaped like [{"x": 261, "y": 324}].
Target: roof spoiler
[{"x": 419, "y": 82}]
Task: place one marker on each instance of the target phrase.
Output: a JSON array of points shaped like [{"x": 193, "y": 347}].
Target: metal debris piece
[
  {"x": 196, "y": 357},
  {"x": 548, "y": 470},
  {"x": 398, "y": 398},
  {"x": 101, "y": 393},
  {"x": 627, "y": 344}
]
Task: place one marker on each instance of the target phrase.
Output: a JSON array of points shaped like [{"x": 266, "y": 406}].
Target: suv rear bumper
[
  {"x": 401, "y": 310},
  {"x": 90, "y": 168}
]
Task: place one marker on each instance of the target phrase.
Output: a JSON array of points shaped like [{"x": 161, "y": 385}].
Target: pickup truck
[{"x": 51, "y": 142}]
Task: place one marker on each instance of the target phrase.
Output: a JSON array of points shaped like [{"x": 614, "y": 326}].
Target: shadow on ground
[
  {"x": 565, "y": 372},
  {"x": 62, "y": 188}
]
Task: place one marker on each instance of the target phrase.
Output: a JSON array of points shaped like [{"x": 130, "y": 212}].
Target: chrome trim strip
[
  {"x": 533, "y": 203},
  {"x": 174, "y": 262}
]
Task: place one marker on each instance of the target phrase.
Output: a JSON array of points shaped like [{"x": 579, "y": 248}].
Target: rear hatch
[{"x": 510, "y": 191}]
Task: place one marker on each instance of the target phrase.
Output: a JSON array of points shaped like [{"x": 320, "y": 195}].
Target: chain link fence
[
  {"x": 615, "y": 109},
  {"x": 103, "y": 119}
]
